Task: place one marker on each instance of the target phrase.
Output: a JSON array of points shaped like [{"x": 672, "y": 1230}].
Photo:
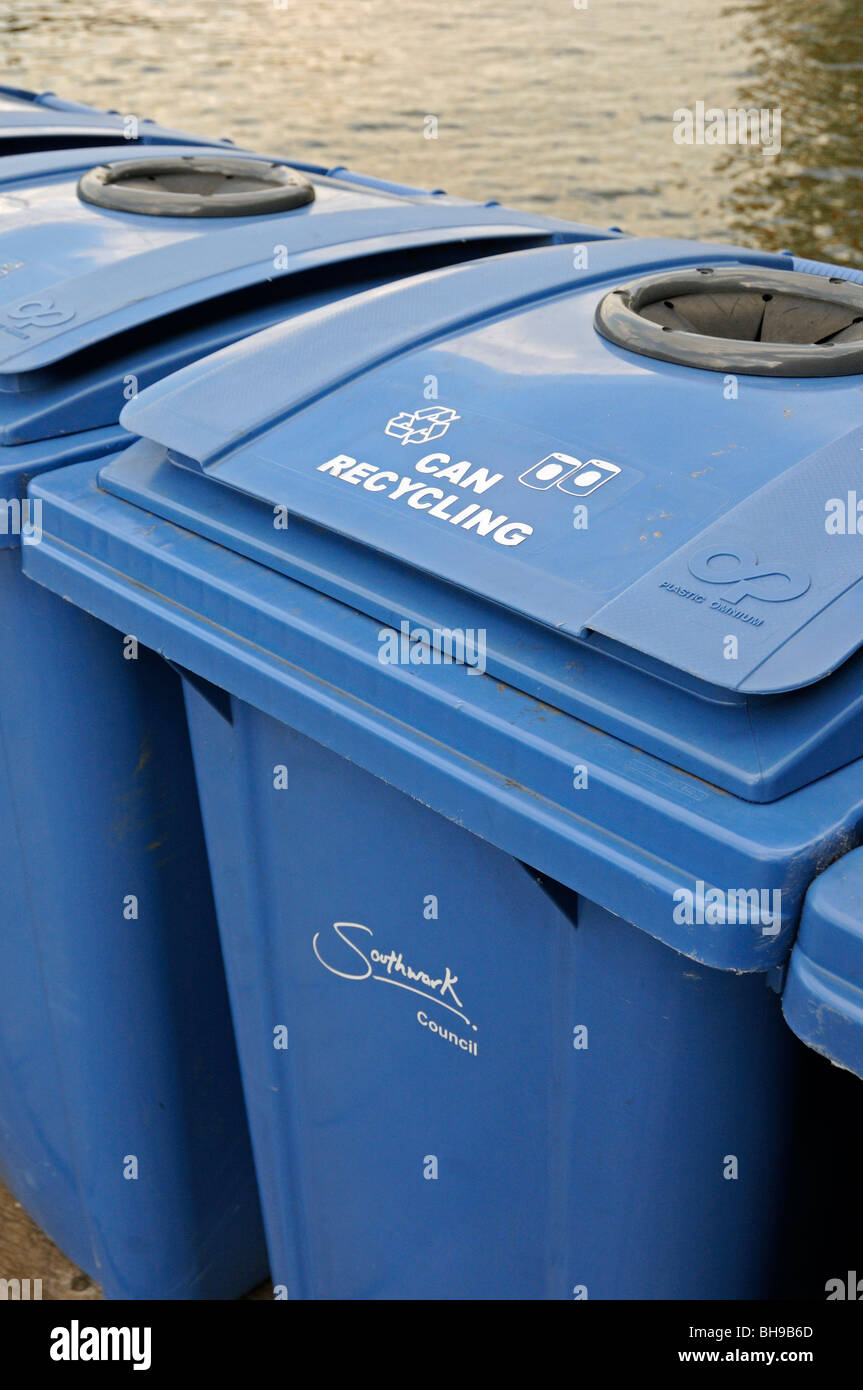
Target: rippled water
[{"x": 543, "y": 105}]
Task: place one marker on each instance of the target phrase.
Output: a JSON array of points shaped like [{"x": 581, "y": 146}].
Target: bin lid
[
  {"x": 651, "y": 545},
  {"x": 41, "y": 120},
  {"x": 823, "y": 997},
  {"x": 716, "y": 877},
  {"x": 104, "y": 262}
]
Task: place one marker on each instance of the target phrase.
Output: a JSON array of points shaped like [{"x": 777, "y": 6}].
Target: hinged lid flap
[{"x": 286, "y": 415}]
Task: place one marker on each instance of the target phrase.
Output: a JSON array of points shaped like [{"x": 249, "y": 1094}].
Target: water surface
[{"x": 542, "y": 105}]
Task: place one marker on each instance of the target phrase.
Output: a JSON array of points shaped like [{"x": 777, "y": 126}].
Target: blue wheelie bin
[
  {"x": 523, "y": 686},
  {"x": 823, "y": 1003},
  {"x": 823, "y": 998},
  {"x": 122, "y": 1127},
  {"x": 31, "y": 121}
]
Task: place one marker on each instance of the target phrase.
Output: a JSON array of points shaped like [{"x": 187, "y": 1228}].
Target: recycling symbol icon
[{"x": 421, "y": 426}]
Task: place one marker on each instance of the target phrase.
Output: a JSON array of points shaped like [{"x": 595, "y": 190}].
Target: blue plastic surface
[
  {"x": 823, "y": 999},
  {"x": 498, "y": 940},
  {"x": 473, "y": 1066},
  {"x": 548, "y": 1122},
  {"x": 122, "y": 1124},
  {"x": 462, "y": 742},
  {"x": 94, "y": 305},
  {"x": 632, "y": 600},
  {"x": 496, "y": 763},
  {"x": 32, "y": 121}
]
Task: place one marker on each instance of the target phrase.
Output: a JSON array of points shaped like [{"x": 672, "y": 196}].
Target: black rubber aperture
[
  {"x": 196, "y": 185},
  {"x": 740, "y": 319}
]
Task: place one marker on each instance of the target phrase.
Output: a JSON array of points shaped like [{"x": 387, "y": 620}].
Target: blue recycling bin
[
  {"x": 122, "y": 1126},
  {"x": 823, "y": 1004},
  {"x": 115, "y": 271},
  {"x": 823, "y": 998},
  {"x": 523, "y": 687},
  {"x": 31, "y": 121}
]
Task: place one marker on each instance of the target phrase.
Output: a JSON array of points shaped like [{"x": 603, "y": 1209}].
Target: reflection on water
[
  {"x": 543, "y": 105},
  {"x": 808, "y": 59}
]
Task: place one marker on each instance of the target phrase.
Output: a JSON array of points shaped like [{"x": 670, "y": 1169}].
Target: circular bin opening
[
  {"x": 196, "y": 185},
  {"x": 740, "y": 319}
]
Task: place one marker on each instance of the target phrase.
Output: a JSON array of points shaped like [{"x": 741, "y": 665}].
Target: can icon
[
  {"x": 550, "y": 471},
  {"x": 569, "y": 474},
  {"x": 588, "y": 478}
]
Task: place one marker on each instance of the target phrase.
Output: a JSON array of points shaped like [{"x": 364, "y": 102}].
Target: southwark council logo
[{"x": 421, "y": 426}]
